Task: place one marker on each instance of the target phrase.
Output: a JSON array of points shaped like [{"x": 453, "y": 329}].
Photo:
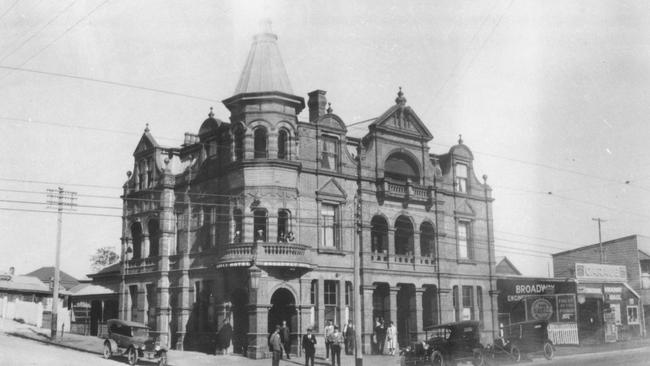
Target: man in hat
[
  {"x": 275, "y": 346},
  {"x": 309, "y": 345}
]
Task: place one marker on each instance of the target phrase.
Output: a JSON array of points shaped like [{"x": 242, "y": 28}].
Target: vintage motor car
[
  {"x": 446, "y": 344},
  {"x": 523, "y": 338},
  {"x": 133, "y": 340}
]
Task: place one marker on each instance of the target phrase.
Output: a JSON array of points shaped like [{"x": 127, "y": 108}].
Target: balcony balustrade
[
  {"x": 264, "y": 254},
  {"x": 399, "y": 260},
  {"x": 141, "y": 265},
  {"x": 405, "y": 192}
]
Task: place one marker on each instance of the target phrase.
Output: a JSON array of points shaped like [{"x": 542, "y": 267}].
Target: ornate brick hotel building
[{"x": 255, "y": 220}]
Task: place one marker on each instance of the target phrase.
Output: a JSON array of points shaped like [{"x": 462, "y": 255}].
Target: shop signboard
[
  {"x": 600, "y": 272},
  {"x": 566, "y": 308}
]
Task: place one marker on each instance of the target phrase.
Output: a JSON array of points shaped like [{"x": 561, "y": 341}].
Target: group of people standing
[
  {"x": 280, "y": 342},
  {"x": 384, "y": 337}
]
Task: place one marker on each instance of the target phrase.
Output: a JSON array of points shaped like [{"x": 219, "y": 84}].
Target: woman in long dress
[{"x": 391, "y": 338}]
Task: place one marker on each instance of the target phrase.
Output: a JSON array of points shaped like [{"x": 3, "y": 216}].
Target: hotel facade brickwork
[{"x": 255, "y": 220}]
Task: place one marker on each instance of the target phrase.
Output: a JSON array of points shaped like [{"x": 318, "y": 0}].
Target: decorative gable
[
  {"x": 402, "y": 120},
  {"x": 331, "y": 190},
  {"x": 146, "y": 144},
  {"x": 331, "y": 121}
]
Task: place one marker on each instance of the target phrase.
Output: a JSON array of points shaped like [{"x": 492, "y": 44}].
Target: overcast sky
[{"x": 551, "y": 96}]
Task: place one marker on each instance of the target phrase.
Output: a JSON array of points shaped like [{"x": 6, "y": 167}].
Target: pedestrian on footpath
[
  {"x": 309, "y": 345},
  {"x": 275, "y": 346},
  {"x": 329, "y": 329},
  {"x": 285, "y": 338},
  {"x": 380, "y": 330},
  {"x": 391, "y": 338},
  {"x": 336, "y": 340},
  {"x": 348, "y": 334}
]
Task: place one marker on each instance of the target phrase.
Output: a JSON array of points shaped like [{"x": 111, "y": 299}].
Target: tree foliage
[{"x": 104, "y": 256}]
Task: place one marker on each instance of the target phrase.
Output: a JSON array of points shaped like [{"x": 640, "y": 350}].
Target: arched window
[
  {"x": 378, "y": 235},
  {"x": 403, "y": 236},
  {"x": 260, "y": 137},
  {"x": 239, "y": 144},
  {"x": 238, "y": 218},
  {"x": 283, "y": 144},
  {"x": 427, "y": 238},
  {"x": 154, "y": 237},
  {"x": 260, "y": 224},
  {"x": 136, "y": 238},
  {"x": 283, "y": 225},
  {"x": 400, "y": 167}
]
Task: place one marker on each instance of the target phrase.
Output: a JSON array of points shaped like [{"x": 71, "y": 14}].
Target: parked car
[
  {"x": 133, "y": 340},
  {"x": 530, "y": 337},
  {"x": 446, "y": 344}
]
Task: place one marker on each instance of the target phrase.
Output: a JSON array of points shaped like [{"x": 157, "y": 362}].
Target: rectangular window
[
  {"x": 329, "y": 155},
  {"x": 461, "y": 178},
  {"x": 463, "y": 240},
  {"x": 151, "y": 305},
  {"x": 455, "y": 303},
  {"x": 632, "y": 315},
  {"x": 468, "y": 303},
  {"x": 330, "y": 301},
  {"x": 329, "y": 226},
  {"x": 133, "y": 291},
  {"x": 479, "y": 303}
]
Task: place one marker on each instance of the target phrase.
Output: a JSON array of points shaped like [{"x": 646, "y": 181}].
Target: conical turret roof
[{"x": 264, "y": 70}]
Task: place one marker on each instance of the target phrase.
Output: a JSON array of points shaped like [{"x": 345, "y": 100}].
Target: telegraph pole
[
  {"x": 600, "y": 239},
  {"x": 59, "y": 199}
]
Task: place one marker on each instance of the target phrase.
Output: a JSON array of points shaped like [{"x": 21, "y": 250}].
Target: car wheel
[
  {"x": 437, "y": 359},
  {"x": 478, "y": 358},
  {"x": 163, "y": 359},
  {"x": 107, "y": 350},
  {"x": 515, "y": 354},
  {"x": 548, "y": 351},
  {"x": 132, "y": 355}
]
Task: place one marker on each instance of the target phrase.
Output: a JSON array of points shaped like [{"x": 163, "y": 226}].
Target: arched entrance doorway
[{"x": 283, "y": 307}]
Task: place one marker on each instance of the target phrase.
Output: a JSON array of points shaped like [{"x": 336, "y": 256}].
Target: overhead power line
[{"x": 107, "y": 82}]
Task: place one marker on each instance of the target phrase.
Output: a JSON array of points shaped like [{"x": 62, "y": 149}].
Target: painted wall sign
[
  {"x": 601, "y": 272},
  {"x": 541, "y": 309}
]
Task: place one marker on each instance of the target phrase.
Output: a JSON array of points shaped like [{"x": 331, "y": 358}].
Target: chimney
[
  {"x": 317, "y": 103},
  {"x": 12, "y": 270}
]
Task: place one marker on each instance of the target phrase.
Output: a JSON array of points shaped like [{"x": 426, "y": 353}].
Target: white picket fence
[
  {"x": 563, "y": 333},
  {"x": 31, "y": 313}
]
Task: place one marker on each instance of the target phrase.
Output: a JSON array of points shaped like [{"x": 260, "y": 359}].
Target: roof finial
[
  {"x": 265, "y": 24},
  {"x": 211, "y": 114},
  {"x": 460, "y": 139},
  {"x": 146, "y": 128},
  {"x": 329, "y": 108},
  {"x": 400, "y": 100}
]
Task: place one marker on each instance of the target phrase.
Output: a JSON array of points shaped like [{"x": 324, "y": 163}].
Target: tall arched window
[
  {"x": 400, "y": 167},
  {"x": 378, "y": 234},
  {"x": 260, "y": 137},
  {"x": 260, "y": 224},
  {"x": 136, "y": 238},
  {"x": 403, "y": 236},
  {"x": 154, "y": 237},
  {"x": 427, "y": 238},
  {"x": 283, "y": 144},
  {"x": 283, "y": 225},
  {"x": 239, "y": 144},
  {"x": 238, "y": 218}
]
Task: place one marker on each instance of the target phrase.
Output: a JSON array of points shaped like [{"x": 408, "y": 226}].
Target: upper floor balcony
[
  {"x": 264, "y": 254},
  {"x": 403, "y": 191},
  {"x": 141, "y": 265},
  {"x": 400, "y": 262}
]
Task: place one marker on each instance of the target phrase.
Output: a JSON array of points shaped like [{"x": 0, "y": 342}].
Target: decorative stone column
[
  {"x": 167, "y": 237},
  {"x": 321, "y": 306},
  {"x": 393, "y": 303},
  {"x": 368, "y": 321},
  {"x": 445, "y": 306},
  {"x": 418, "y": 312}
]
